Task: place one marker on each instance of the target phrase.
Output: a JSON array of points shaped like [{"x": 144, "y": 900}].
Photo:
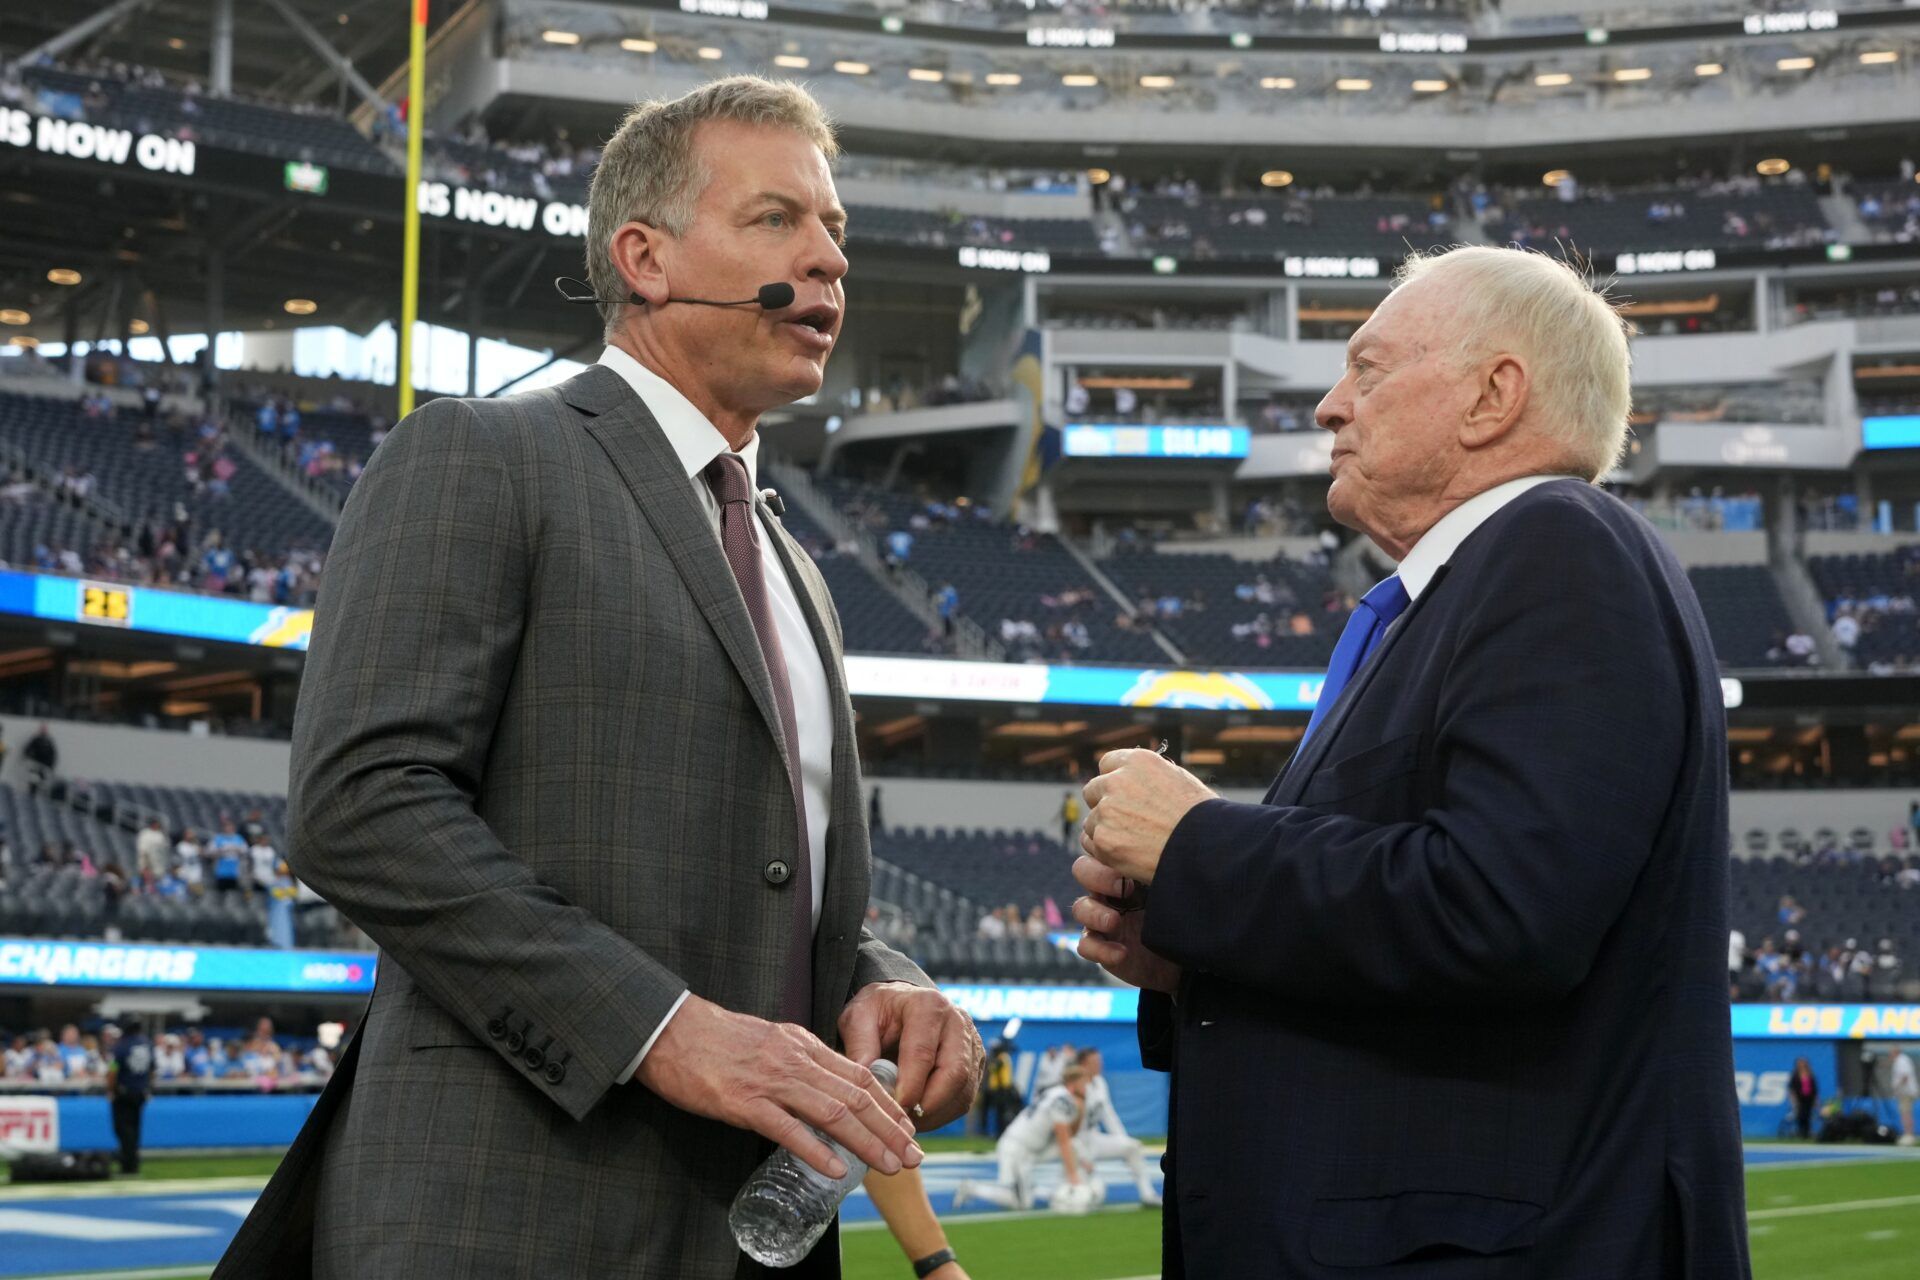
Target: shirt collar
[
  {"x": 696, "y": 441},
  {"x": 1437, "y": 545}
]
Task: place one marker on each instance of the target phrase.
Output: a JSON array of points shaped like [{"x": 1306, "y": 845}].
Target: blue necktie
[{"x": 1371, "y": 618}]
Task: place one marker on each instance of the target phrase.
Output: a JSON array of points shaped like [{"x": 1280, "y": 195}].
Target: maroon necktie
[{"x": 727, "y": 476}]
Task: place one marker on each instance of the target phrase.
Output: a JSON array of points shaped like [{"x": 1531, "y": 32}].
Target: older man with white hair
[
  {"x": 574, "y": 746},
  {"x": 1450, "y": 1001}
]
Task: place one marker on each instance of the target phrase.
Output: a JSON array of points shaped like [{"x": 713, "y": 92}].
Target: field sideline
[{"x": 1815, "y": 1214}]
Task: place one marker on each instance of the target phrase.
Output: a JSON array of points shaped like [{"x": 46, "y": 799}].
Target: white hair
[{"x": 1571, "y": 337}]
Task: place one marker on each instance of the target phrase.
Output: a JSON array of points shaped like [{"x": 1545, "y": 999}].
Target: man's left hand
[
  {"x": 1133, "y": 807},
  {"x": 934, "y": 1044}
]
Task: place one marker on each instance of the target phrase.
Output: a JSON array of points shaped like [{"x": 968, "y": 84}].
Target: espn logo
[{"x": 29, "y": 1124}]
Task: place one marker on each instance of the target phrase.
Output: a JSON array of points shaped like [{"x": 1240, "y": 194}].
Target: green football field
[
  {"x": 1853, "y": 1221},
  {"x": 1849, "y": 1222}
]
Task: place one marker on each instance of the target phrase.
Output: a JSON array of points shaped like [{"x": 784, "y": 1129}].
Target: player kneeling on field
[
  {"x": 1103, "y": 1137},
  {"x": 1050, "y": 1121}
]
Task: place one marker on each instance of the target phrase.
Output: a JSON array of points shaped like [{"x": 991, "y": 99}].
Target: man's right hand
[
  {"x": 1112, "y": 937},
  {"x": 780, "y": 1081}
]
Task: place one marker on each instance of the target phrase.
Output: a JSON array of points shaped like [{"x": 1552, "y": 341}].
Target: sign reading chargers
[
  {"x": 1046, "y": 1004},
  {"x": 40, "y": 963},
  {"x": 1890, "y": 431},
  {"x": 1100, "y": 440}
]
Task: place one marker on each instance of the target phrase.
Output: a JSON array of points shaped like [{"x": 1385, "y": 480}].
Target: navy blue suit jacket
[{"x": 1454, "y": 999}]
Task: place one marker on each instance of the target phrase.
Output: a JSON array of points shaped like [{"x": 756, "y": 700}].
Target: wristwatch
[{"x": 926, "y": 1266}]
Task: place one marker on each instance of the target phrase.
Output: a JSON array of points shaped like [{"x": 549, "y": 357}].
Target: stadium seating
[
  {"x": 1844, "y": 901},
  {"x": 871, "y": 616},
  {"x": 280, "y": 132},
  {"x": 33, "y": 519},
  {"x": 1890, "y": 209},
  {"x": 1744, "y": 611},
  {"x": 1879, "y": 591},
  {"x": 1000, "y": 575},
  {"x": 1609, "y": 224},
  {"x": 146, "y": 483},
  {"x": 1219, "y": 226},
  {"x": 1208, "y": 586}
]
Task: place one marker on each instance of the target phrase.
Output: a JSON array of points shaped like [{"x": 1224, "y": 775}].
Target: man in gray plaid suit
[{"x": 574, "y": 746}]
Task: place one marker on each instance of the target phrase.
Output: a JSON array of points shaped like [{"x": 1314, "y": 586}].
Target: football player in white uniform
[
  {"x": 1103, "y": 1136},
  {"x": 1053, "y": 1065},
  {"x": 1049, "y": 1122}
]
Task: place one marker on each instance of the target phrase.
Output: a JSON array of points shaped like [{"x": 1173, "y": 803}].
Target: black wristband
[{"x": 933, "y": 1262}]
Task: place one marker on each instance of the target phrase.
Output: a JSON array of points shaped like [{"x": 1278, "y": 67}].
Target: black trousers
[{"x": 127, "y": 1109}]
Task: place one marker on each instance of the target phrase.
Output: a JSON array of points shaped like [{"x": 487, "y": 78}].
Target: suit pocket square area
[
  {"x": 1376, "y": 1231},
  {"x": 1364, "y": 770}
]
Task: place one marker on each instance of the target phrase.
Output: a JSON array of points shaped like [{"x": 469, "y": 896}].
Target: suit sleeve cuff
[{"x": 646, "y": 1048}]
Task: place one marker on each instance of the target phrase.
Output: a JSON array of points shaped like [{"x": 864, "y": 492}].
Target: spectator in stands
[
  {"x": 1790, "y": 911},
  {"x": 280, "y": 896},
  {"x": 1906, "y": 1089},
  {"x": 1736, "y": 951},
  {"x": 874, "y": 824},
  {"x": 197, "y": 1056},
  {"x": 49, "y": 1067},
  {"x": 227, "y": 850},
  {"x": 170, "y": 1057},
  {"x": 993, "y": 925},
  {"x": 264, "y": 864},
  {"x": 151, "y": 853},
  {"x": 1036, "y": 925},
  {"x": 73, "y": 1053},
  {"x": 189, "y": 864},
  {"x": 44, "y": 756},
  {"x": 1069, "y": 817},
  {"x": 1803, "y": 1090},
  {"x": 18, "y": 1062}
]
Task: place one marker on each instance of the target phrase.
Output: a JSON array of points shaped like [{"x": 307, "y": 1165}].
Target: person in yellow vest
[{"x": 1069, "y": 817}]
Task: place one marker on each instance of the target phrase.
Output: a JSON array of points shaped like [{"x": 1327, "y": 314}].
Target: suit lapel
[
  {"x": 647, "y": 464},
  {"x": 843, "y": 899},
  {"x": 1299, "y": 771}
]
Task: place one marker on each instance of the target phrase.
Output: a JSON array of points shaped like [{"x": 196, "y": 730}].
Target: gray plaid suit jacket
[{"x": 536, "y": 758}]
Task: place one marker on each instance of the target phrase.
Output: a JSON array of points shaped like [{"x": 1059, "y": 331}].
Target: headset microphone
[{"x": 771, "y": 297}]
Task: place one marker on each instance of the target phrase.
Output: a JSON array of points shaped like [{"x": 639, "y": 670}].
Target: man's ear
[
  {"x": 1503, "y": 388},
  {"x": 638, "y": 253}
]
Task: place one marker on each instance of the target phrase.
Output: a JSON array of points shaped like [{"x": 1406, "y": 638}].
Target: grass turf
[{"x": 1843, "y": 1243}]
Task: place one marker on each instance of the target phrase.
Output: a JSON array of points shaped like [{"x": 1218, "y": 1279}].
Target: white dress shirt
[
  {"x": 697, "y": 442},
  {"x": 1437, "y": 545}
]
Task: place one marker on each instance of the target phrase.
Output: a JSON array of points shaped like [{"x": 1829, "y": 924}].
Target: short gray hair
[
  {"x": 648, "y": 171},
  {"x": 1572, "y": 336}
]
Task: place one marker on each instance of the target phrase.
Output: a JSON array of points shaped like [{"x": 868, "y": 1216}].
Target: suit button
[
  {"x": 557, "y": 1071},
  {"x": 536, "y": 1058},
  {"x": 778, "y": 871},
  {"x": 517, "y": 1040},
  {"x": 497, "y": 1027}
]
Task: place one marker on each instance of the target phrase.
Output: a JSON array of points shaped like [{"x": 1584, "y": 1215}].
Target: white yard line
[
  {"x": 1842, "y": 1206},
  {"x": 127, "y": 1187},
  {"x": 1007, "y": 1215}
]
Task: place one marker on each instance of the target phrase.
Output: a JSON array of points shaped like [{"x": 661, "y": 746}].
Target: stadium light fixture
[
  {"x": 1276, "y": 178},
  {"x": 1879, "y": 57},
  {"x": 1156, "y": 82},
  {"x": 1553, "y": 79},
  {"x": 1079, "y": 81},
  {"x": 1430, "y": 86},
  {"x": 1099, "y": 177},
  {"x": 1353, "y": 84},
  {"x": 560, "y": 37},
  {"x": 846, "y": 68},
  {"x": 175, "y": 42},
  {"x": 712, "y": 54},
  {"x": 1554, "y": 177},
  {"x": 1708, "y": 69},
  {"x": 25, "y": 341},
  {"x": 1277, "y": 82},
  {"x": 63, "y": 275},
  {"x": 137, "y": 326},
  {"x": 926, "y": 75},
  {"x": 300, "y": 306},
  {"x": 1795, "y": 64},
  {"x": 633, "y": 44},
  {"x": 1002, "y": 78},
  {"x": 792, "y": 60},
  {"x": 1628, "y": 75},
  {"x": 13, "y": 315},
  {"x": 1772, "y": 167}
]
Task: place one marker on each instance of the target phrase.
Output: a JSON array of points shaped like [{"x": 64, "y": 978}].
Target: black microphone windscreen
[{"x": 775, "y": 296}]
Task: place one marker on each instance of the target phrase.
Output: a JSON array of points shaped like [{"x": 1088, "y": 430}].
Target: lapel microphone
[{"x": 771, "y": 297}]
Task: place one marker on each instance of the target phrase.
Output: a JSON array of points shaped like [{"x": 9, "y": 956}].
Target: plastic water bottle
[{"x": 787, "y": 1205}]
